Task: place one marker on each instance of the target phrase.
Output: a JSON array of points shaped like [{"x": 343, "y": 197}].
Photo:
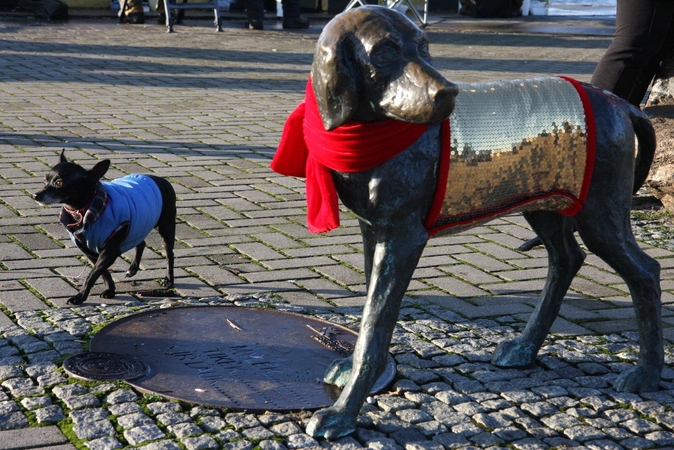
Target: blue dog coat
[{"x": 134, "y": 200}]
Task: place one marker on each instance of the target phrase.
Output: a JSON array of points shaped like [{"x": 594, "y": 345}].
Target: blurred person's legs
[
  {"x": 255, "y": 14},
  {"x": 644, "y": 36},
  {"x": 292, "y": 16}
]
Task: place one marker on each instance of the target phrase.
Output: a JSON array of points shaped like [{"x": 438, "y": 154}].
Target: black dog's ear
[
  {"x": 62, "y": 158},
  {"x": 334, "y": 80},
  {"x": 97, "y": 172}
]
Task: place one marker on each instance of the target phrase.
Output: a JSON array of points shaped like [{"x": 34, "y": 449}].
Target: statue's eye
[{"x": 384, "y": 56}]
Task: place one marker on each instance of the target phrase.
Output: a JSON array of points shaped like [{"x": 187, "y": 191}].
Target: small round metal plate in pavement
[{"x": 101, "y": 366}]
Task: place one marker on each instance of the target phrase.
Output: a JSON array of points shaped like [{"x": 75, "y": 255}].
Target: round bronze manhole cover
[
  {"x": 104, "y": 366},
  {"x": 240, "y": 358}
]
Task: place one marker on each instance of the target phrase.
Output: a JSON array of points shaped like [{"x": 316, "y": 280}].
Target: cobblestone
[
  {"x": 105, "y": 443},
  {"x": 134, "y": 420},
  {"x": 185, "y": 429},
  {"x": 300, "y": 440},
  {"x": 93, "y": 430},
  {"x": 143, "y": 433},
  {"x": 172, "y": 418},
  {"x": 81, "y": 401},
  {"x": 49, "y": 414},
  {"x": 285, "y": 429},
  {"x": 199, "y": 443}
]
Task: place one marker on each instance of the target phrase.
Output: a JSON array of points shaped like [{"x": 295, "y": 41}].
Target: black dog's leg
[
  {"x": 110, "y": 291},
  {"x": 396, "y": 254},
  {"x": 166, "y": 226},
  {"x": 103, "y": 262},
  {"x": 339, "y": 371},
  {"x": 135, "y": 265},
  {"x": 109, "y": 282},
  {"x": 642, "y": 275},
  {"x": 168, "y": 234},
  {"x": 565, "y": 258}
]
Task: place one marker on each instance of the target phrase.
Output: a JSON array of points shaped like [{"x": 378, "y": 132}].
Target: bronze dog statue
[{"x": 372, "y": 67}]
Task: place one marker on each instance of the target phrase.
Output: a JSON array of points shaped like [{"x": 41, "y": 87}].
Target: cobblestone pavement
[{"x": 206, "y": 110}]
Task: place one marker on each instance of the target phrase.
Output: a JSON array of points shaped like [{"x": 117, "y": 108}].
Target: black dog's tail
[{"x": 643, "y": 128}]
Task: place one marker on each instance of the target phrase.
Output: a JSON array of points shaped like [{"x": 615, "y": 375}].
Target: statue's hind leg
[
  {"x": 565, "y": 257},
  {"x": 642, "y": 275}
]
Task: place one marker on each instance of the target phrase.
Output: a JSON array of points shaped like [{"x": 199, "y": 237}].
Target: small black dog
[{"x": 106, "y": 219}]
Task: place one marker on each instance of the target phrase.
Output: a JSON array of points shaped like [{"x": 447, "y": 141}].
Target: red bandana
[
  {"x": 78, "y": 221},
  {"x": 308, "y": 150}
]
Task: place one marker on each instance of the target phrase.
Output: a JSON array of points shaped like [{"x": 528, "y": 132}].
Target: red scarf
[{"x": 308, "y": 150}]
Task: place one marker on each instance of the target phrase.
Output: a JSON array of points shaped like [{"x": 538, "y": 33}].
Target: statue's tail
[{"x": 643, "y": 128}]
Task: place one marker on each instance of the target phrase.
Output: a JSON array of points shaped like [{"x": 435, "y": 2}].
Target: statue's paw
[
  {"x": 338, "y": 372},
  {"x": 642, "y": 378},
  {"x": 514, "y": 353},
  {"x": 331, "y": 423}
]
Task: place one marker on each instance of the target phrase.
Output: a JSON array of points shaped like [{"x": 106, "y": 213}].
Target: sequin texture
[{"x": 515, "y": 146}]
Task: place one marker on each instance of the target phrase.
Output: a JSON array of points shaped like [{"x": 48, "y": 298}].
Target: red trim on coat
[
  {"x": 443, "y": 174},
  {"x": 591, "y": 139}
]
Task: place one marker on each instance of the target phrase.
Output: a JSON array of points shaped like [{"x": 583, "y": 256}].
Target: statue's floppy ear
[{"x": 334, "y": 80}]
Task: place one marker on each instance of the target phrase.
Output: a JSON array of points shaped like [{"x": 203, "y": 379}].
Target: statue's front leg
[
  {"x": 339, "y": 371},
  {"x": 394, "y": 258}
]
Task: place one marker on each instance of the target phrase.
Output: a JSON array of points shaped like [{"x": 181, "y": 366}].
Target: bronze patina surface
[{"x": 240, "y": 358}]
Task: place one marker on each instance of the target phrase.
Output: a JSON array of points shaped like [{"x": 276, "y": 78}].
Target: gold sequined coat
[{"x": 516, "y": 146}]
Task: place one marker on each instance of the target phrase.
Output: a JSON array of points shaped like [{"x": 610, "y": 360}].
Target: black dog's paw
[
  {"x": 166, "y": 282},
  {"x": 133, "y": 269},
  {"x": 76, "y": 300},
  {"x": 108, "y": 293}
]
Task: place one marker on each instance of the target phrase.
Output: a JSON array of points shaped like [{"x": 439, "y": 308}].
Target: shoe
[
  {"x": 133, "y": 12},
  {"x": 296, "y": 23},
  {"x": 134, "y": 16},
  {"x": 254, "y": 24}
]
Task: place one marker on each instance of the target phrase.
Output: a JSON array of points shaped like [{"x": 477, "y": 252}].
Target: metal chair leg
[
  {"x": 169, "y": 17},
  {"x": 421, "y": 20},
  {"x": 353, "y": 3},
  {"x": 218, "y": 20},
  {"x": 410, "y": 5}
]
